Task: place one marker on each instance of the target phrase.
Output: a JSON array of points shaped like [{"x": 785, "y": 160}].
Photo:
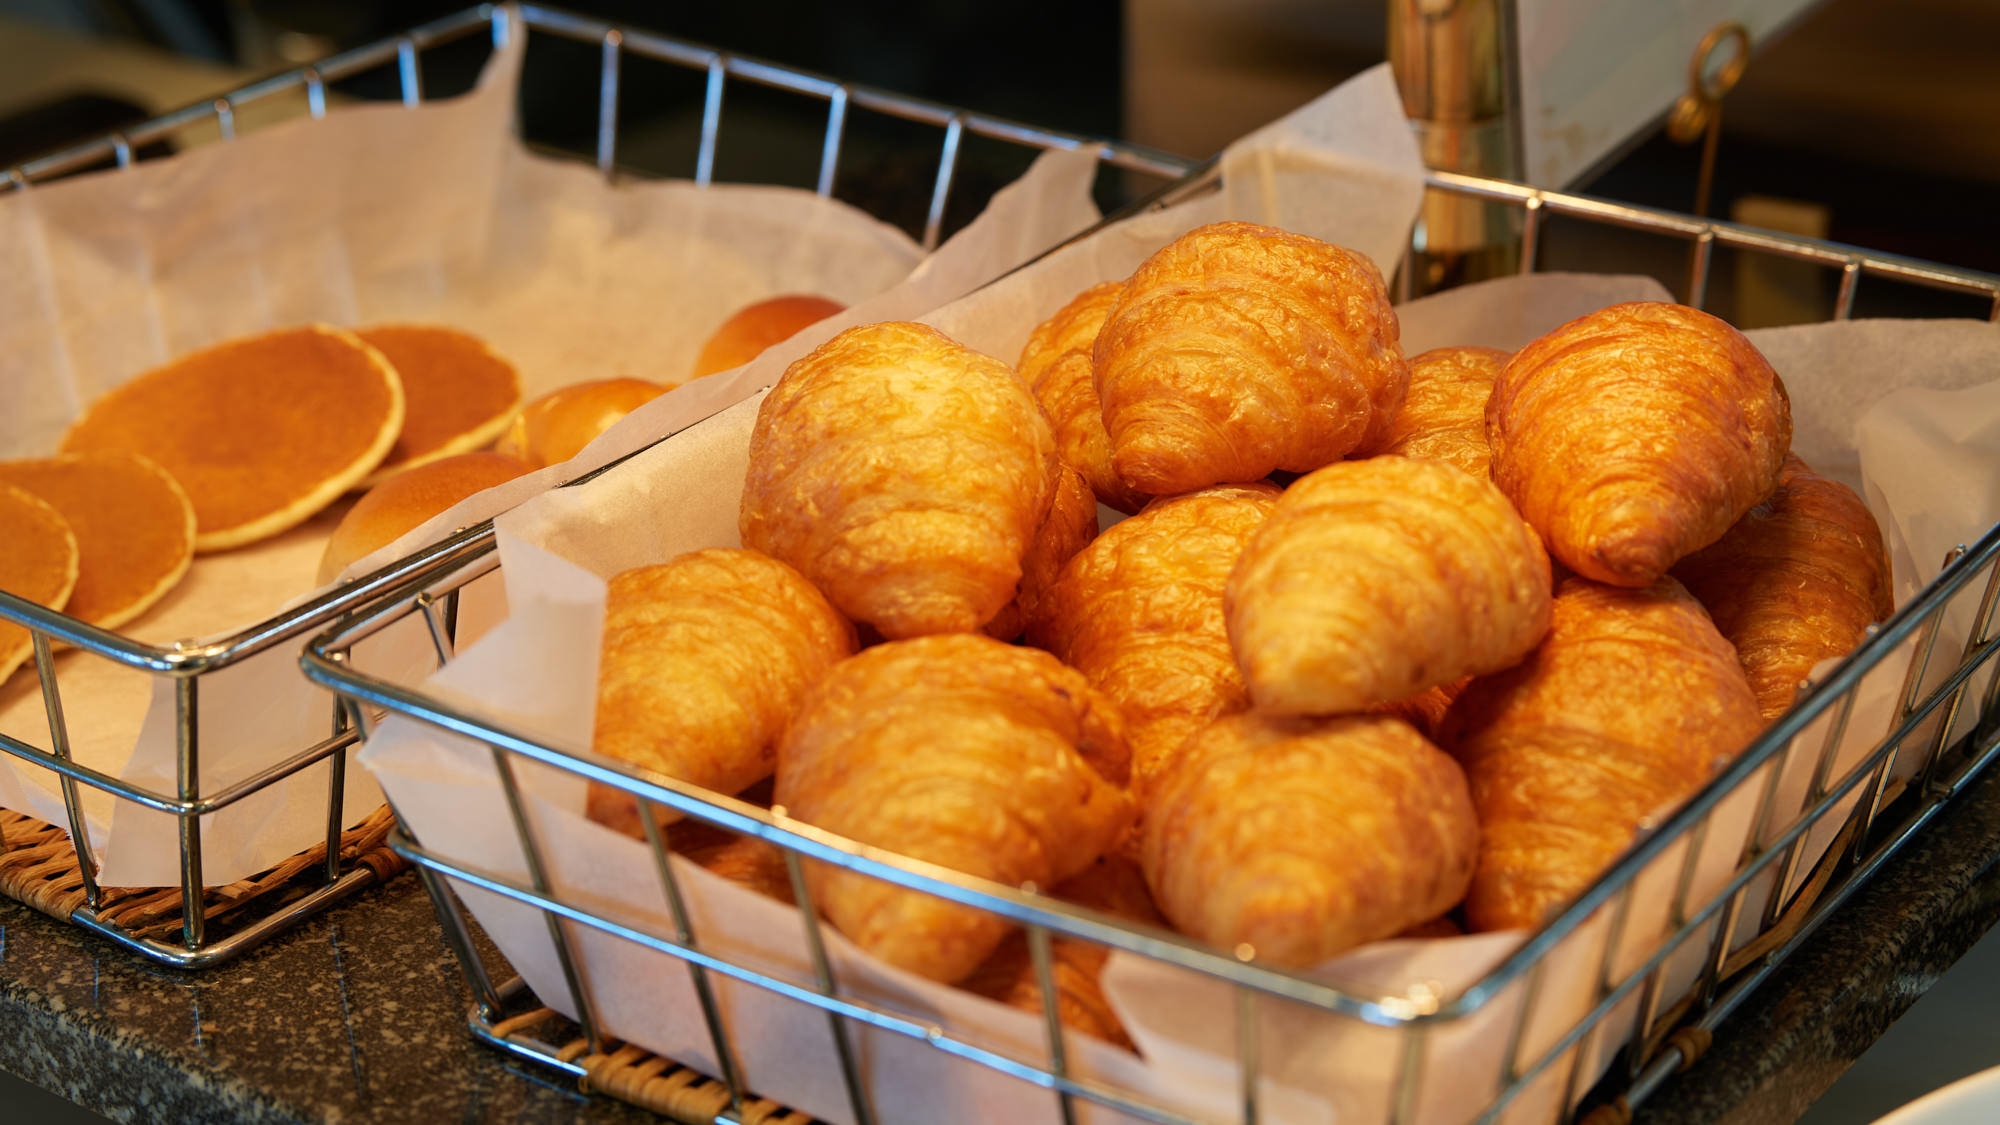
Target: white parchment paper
[
  {"x": 536, "y": 670},
  {"x": 374, "y": 214}
]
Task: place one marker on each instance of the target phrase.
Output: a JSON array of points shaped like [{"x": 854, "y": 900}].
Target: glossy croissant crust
[
  {"x": 1443, "y": 417},
  {"x": 704, "y": 659},
  {"x": 1056, "y": 364},
  {"x": 1068, "y": 528},
  {"x": 1305, "y": 838},
  {"x": 1634, "y": 436},
  {"x": 992, "y": 760},
  {"x": 1139, "y": 612},
  {"x": 1377, "y": 580},
  {"x": 1797, "y": 580},
  {"x": 904, "y": 474},
  {"x": 1240, "y": 349},
  {"x": 1628, "y": 705}
]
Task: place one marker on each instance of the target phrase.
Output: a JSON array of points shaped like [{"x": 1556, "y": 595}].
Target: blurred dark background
[{"x": 1874, "y": 122}]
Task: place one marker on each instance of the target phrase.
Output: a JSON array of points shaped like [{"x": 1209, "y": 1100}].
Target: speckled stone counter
[{"x": 357, "y": 1016}]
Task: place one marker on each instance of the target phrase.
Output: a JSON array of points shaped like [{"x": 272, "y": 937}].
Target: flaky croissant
[
  {"x": 1443, "y": 417},
  {"x": 1634, "y": 436},
  {"x": 1630, "y": 703},
  {"x": 1307, "y": 837},
  {"x": 704, "y": 660},
  {"x": 1139, "y": 612},
  {"x": 1113, "y": 885},
  {"x": 963, "y": 751},
  {"x": 1797, "y": 580},
  {"x": 1376, "y": 580},
  {"x": 1239, "y": 349},
  {"x": 904, "y": 474},
  {"x": 1056, "y": 364},
  {"x": 1068, "y": 528}
]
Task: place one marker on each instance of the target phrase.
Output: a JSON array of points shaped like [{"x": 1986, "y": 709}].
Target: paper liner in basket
[
  {"x": 681, "y": 495},
  {"x": 380, "y": 213}
]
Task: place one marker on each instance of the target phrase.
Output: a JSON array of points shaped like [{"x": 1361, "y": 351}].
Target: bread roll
[
  {"x": 751, "y": 329},
  {"x": 406, "y": 500},
  {"x": 555, "y": 427}
]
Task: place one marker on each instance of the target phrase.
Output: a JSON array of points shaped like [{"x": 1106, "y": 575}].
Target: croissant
[
  {"x": 1056, "y": 364},
  {"x": 1304, "y": 838},
  {"x": 1444, "y": 412},
  {"x": 1069, "y": 527},
  {"x": 1796, "y": 581},
  {"x": 1376, "y": 580},
  {"x": 704, "y": 660},
  {"x": 1238, "y": 349},
  {"x": 904, "y": 474},
  {"x": 1139, "y": 612},
  {"x": 1630, "y": 703},
  {"x": 1113, "y": 885},
  {"x": 1636, "y": 435},
  {"x": 963, "y": 751}
]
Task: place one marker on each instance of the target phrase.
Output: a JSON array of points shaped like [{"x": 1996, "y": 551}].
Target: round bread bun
[
  {"x": 408, "y": 499},
  {"x": 555, "y": 427},
  {"x": 134, "y": 528},
  {"x": 260, "y": 431},
  {"x": 744, "y": 336},
  {"x": 458, "y": 395},
  {"x": 39, "y": 563}
]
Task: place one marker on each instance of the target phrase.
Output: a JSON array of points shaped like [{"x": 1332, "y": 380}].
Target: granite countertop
[{"x": 358, "y": 1015}]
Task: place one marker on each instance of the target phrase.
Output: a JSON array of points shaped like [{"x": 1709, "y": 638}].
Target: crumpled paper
[{"x": 384, "y": 213}]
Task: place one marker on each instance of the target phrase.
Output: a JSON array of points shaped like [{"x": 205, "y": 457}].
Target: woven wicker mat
[
  {"x": 650, "y": 1082},
  {"x": 38, "y": 868}
]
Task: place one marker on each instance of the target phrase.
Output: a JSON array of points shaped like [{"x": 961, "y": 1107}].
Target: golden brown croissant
[
  {"x": 1139, "y": 612},
  {"x": 1239, "y": 349},
  {"x": 904, "y": 474},
  {"x": 963, "y": 751},
  {"x": 704, "y": 660},
  {"x": 1798, "y": 579},
  {"x": 1424, "y": 710},
  {"x": 1376, "y": 580},
  {"x": 1113, "y": 885},
  {"x": 1444, "y": 412},
  {"x": 1056, "y": 363},
  {"x": 1628, "y": 706},
  {"x": 1634, "y": 436},
  {"x": 1069, "y": 527},
  {"x": 1307, "y": 837}
]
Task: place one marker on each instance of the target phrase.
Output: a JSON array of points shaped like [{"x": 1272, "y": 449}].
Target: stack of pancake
[{"x": 238, "y": 442}]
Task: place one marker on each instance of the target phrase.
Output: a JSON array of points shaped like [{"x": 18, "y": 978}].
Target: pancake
[
  {"x": 555, "y": 427},
  {"x": 745, "y": 335},
  {"x": 457, "y": 394},
  {"x": 39, "y": 564},
  {"x": 134, "y": 528},
  {"x": 409, "y": 498},
  {"x": 260, "y": 431}
]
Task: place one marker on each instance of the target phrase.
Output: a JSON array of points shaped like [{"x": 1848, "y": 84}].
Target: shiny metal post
[
  {"x": 187, "y": 747},
  {"x": 79, "y": 824},
  {"x": 607, "y": 104},
  {"x": 850, "y": 1068},
  {"x": 711, "y": 1012},
  {"x": 954, "y": 130}
]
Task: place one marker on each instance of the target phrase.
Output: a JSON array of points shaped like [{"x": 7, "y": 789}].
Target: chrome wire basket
[
  {"x": 346, "y": 867},
  {"x": 1631, "y": 997}
]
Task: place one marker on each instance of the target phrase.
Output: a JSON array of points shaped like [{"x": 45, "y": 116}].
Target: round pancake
[
  {"x": 134, "y": 528},
  {"x": 408, "y": 499},
  {"x": 38, "y": 563},
  {"x": 260, "y": 431},
  {"x": 457, "y": 394}
]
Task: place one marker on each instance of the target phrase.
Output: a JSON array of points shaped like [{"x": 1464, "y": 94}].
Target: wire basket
[
  {"x": 38, "y": 866},
  {"x": 1946, "y": 728}
]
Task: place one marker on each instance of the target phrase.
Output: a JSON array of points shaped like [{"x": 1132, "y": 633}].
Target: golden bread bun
[
  {"x": 408, "y": 499},
  {"x": 555, "y": 427},
  {"x": 457, "y": 394},
  {"x": 260, "y": 431},
  {"x": 134, "y": 528},
  {"x": 745, "y": 335},
  {"x": 39, "y": 564}
]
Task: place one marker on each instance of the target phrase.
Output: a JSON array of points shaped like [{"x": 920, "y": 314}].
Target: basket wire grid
[
  {"x": 186, "y": 663},
  {"x": 1664, "y": 1033}
]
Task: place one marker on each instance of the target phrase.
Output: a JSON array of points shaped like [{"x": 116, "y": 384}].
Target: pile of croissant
[{"x": 1506, "y": 608}]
